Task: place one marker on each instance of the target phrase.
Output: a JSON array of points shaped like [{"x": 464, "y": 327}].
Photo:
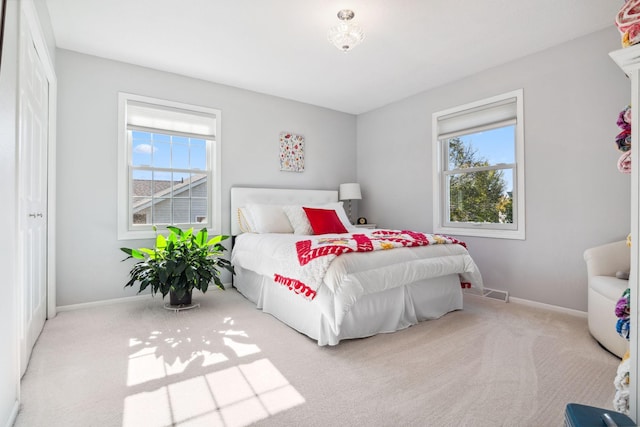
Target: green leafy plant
[{"x": 179, "y": 263}]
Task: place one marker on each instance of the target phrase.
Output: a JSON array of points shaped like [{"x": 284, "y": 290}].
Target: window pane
[
  {"x": 180, "y": 140},
  {"x": 199, "y": 188},
  {"x": 180, "y": 155},
  {"x": 181, "y": 184},
  {"x": 165, "y": 197},
  {"x": 140, "y": 218},
  {"x": 161, "y": 153},
  {"x": 481, "y": 197},
  {"x": 199, "y": 210},
  {"x": 181, "y": 211},
  {"x": 168, "y": 151},
  {"x": 161, "y": 210},
  {"x": 159, "y": 137},
  {"x": 142, "y": 185},
  {"x": 162, "y": 184},
  {"x": 486, "y": 148},
  {"x": 199, "y": 154},
  {"x": 142, "y": 148}
]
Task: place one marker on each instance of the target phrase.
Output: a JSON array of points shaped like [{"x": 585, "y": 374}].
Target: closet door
[{"x": 32, "y": 193}]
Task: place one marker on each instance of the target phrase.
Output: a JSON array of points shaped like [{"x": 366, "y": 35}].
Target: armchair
[{"x": 603, "y": 262}]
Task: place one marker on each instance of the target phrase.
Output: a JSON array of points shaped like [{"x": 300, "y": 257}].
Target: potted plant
[{"x": 178, "y": 264}]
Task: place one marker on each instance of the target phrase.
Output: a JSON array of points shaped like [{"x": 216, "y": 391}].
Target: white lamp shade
[{"x": 350, "y": 191}]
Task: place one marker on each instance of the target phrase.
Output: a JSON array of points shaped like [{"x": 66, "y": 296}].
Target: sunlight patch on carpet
[
  {"x": 236, "y": 396},
  {"x": 241, "y": 349}
]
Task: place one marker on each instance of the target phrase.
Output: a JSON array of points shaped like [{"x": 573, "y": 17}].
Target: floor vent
[{"x": 489, "y": 293}]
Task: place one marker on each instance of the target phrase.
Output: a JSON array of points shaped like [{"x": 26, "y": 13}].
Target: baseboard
[
  {"x": 100, "y": 303},
  {"x": 529, "y": 303},
  {"x": 550, "y": 307},
  {"x": 14, "y": 414},
  {"x": 496, "y": 294}
]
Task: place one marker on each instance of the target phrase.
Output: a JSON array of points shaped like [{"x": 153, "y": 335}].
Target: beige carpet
[{"x": 228, "y": 364}]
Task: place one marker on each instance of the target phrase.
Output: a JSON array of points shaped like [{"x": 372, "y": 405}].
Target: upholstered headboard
[{"x": 242, "y": 196}]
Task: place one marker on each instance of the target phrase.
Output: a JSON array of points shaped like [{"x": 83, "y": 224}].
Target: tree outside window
[{"x": 481, "y": 196}]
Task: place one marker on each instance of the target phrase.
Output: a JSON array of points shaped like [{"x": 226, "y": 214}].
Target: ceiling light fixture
[{"x": 346, "y": 35}]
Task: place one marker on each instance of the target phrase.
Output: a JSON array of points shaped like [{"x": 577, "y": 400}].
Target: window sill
[
  {"x": 480, "y": 232},
  {"x": 151, "y": 234}
]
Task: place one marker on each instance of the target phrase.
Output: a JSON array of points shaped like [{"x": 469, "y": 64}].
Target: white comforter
[{"x": 353, "y": 275}]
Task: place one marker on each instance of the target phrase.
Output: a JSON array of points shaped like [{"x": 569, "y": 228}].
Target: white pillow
[
  {"x": 267, "y": 219},
  {"x": 245, "y": 221},
  {"x": 298, "y": 219},
  {"x": 300, "y": 222}
]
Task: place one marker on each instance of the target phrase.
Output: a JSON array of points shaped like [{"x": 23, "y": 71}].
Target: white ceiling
[{"x": 280, "y": 47}]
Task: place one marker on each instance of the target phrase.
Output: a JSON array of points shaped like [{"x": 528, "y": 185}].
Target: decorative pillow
[
  {"x": 298, "y": 219},
  {"x": 342, "y": 215},
  {"x": 300, "y": 223},
  {"x": 268, "y": 219},
  {"x": 245, "y": 222},
  {"x": 324, "y": 221}
]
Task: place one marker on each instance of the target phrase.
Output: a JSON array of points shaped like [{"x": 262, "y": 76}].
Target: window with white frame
[
  {"x": 169, "y": 166},
  {"x": 478, "y": 154}
]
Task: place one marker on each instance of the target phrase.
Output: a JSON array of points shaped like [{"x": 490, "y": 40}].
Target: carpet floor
[{"x": 228, "y": 364}]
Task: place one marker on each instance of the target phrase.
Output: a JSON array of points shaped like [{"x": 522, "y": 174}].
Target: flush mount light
[{"x": 346, "y": 35}]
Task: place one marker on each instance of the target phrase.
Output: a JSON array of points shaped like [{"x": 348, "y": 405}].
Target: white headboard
[{"x": 241, "y": 196}]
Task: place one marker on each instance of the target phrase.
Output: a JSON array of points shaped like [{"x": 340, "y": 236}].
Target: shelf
[{"x": 627, "y": 58}]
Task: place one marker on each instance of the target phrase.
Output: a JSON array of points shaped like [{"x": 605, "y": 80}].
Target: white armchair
[{"x": 603, "y": 262}]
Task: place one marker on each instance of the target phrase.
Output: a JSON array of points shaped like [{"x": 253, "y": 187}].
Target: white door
[{"x": 32, "y": 193}]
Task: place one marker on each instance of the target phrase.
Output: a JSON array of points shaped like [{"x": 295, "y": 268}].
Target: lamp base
[{"x": 349, "y": 212}]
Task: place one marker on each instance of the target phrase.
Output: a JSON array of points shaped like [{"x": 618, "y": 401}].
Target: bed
[{"x": 343, "y": 292}]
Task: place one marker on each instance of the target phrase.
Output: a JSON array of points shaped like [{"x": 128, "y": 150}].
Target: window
[
  {"x": 478, "y": 152},
  {"x": 169, "y": 166}
]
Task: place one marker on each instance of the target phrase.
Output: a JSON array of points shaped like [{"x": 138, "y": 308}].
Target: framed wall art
[{"x": 291, "y": 152}]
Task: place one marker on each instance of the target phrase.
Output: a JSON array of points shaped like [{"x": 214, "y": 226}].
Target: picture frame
[{"x": 291, "y": 152}]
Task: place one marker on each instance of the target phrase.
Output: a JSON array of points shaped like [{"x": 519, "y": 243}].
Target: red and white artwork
[{"x": 291, "y": 152}]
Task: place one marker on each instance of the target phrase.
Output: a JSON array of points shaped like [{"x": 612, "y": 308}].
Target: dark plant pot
[{"x": 185, "y": 300}]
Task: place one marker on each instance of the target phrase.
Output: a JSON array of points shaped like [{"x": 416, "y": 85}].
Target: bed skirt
[{"x": 382, "y": 312}]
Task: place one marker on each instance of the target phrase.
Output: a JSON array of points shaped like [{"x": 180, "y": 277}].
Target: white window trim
[
  {"x": 214, "y": 225},
  {"x": 499, "y": 231}
]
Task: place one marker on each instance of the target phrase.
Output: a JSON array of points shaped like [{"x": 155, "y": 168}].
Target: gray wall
[
  {"x": 575, "y": 197},
  {"x": 88, "y": 255},
  {"x": 9, "y": 365}
]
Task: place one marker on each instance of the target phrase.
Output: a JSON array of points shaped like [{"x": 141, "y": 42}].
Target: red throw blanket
[{"x": 315, "y": 255}]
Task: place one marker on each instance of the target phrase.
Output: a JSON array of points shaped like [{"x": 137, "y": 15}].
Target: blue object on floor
[{"x": 577, "y": 415}]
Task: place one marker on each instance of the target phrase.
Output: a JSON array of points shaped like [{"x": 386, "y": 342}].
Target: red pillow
[{"x": 324, "y": 221}]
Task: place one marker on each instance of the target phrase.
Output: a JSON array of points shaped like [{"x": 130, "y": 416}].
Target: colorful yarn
[
  {"x": 624, "y": 162},
  {"x": 623, "y": 311},
  {"x": 622, "y": 306},
  {"x": 622, "y": 327},
  {"x": 621, "y": 383},
  {"x": 628, "y": 16},
  {"x": 624, "y": 118},
  {"x": 623, "y": 140},
  {"x": 631, "y": 36}
]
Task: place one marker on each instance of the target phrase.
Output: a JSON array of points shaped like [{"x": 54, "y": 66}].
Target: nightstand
[{"x": 366, "y": 225}]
